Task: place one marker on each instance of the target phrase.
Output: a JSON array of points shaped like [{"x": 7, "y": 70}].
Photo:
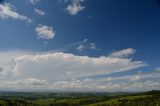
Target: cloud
[
  {"x": 92, "y": 85},
  {"x": 80, "y": 47},
  {"x": 79, "y": 85},
  {"x": 157, "y": 70},
  {"x": 130, "y": 78},
  {"x": 139, "y": 82},
  {"x": 40, "y": 12},
  {"x": 8, "y": 11},
  {"x": 7, "y": 62},
  {"x": 75, "y": 7},
  {"x": 93, "y": 46},
  {"x": 59, "y": 65},
  {"x": 65, "y": 70},
  {"x": 117, "y": 83},
  {"x": 34, "y": 1},
  {"x": 123, "y": 53},
  {"x": 1, "y": 69},
  {"x": 28, "y": 81},
  {"x": 45, "y": 32},
  {"x": 86, "y": 45}
]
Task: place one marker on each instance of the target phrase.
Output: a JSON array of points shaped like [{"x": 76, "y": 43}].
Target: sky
[{"x": 79, "y": 45}]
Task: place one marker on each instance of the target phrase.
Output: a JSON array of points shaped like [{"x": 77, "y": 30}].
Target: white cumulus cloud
[
  {"x": 75, "y": 7},
  {"x": 45, "y": 32},
  {"x": 54, "y": 70},
  {"x": 59, "y": 65}
]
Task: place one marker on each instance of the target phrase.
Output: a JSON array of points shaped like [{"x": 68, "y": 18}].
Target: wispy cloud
[
  {"x": 93, "y": 46},
  {"x": 45, "y": 32},
  {"x": 28, "y": 82},
  {"x": 86, "y": 45},
  {"x": 34, "y": 1},
  {"x": 39, "y": 11},
  {"x": 80, "y": 47},
  {"x": 8, "y": 11},
  {"x": 123, "y": 53}
]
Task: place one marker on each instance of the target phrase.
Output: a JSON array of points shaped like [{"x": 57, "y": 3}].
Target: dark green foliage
[{"x": 141, "y": 100}]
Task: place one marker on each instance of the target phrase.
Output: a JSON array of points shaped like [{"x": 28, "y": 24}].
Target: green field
[{"x": 151, "y": 98}]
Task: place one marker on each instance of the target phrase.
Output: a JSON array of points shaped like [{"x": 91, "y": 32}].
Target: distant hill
[
  {"x": 150, "y": 98},
  {"x": 152, "y": 92}
]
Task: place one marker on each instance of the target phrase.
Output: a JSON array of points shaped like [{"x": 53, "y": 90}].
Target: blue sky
[{"x": 75, "y": 43}]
